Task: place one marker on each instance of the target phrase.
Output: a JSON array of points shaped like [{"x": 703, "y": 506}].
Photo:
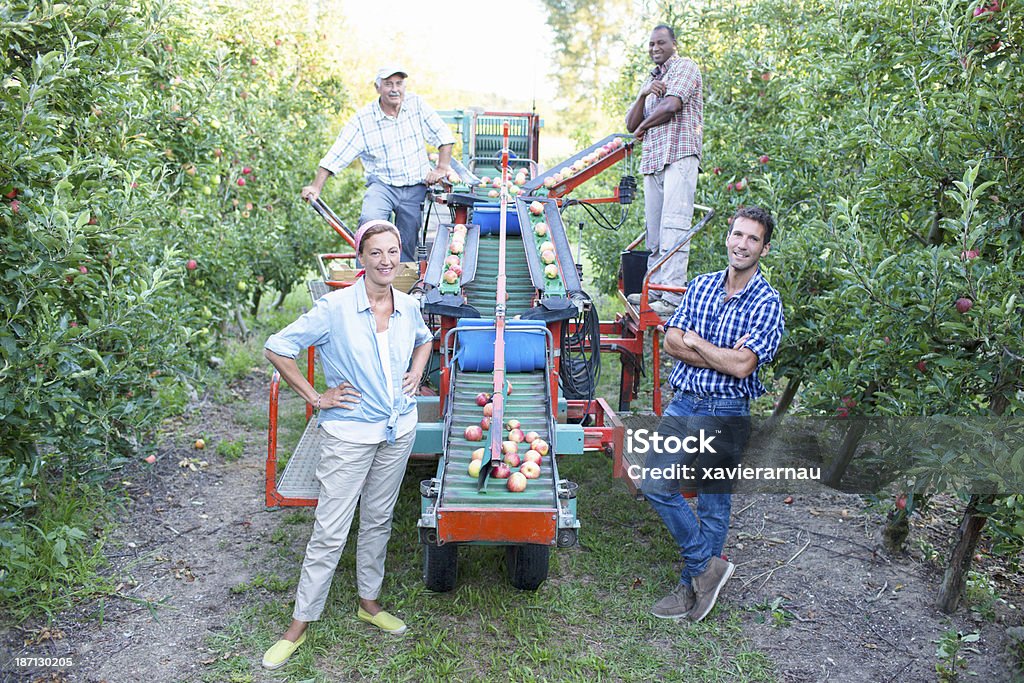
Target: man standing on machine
[
  {"x": 668, "y": 117},
  {"x": 388, "y": 136}
]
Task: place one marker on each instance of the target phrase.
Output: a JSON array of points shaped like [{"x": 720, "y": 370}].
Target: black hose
[{"x": 580, "y": 370}]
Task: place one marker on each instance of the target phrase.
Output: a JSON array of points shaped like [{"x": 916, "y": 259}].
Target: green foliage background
[{"x": 136, "y": 136}]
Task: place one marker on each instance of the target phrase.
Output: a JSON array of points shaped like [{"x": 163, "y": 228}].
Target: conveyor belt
[
  {"x": 527, "y": 405},
  {"x": 521, "y": 292}
]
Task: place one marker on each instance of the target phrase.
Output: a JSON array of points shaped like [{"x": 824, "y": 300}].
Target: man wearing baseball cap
[{"x": 389, "y": 136}]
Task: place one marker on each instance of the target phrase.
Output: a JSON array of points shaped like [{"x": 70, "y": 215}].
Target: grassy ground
[{"x": 590, "y": 620}]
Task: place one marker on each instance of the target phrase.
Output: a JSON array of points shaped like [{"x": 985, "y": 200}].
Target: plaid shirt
[
  {"x": 682, "y": 135},
  {"x": 756, "y": 309},
  {"x": 391, "y": 148}
]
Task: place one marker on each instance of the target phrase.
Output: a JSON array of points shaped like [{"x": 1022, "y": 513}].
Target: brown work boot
[
  {"x": 676, "y": 604},
  {"x": 707, "y": 584}
]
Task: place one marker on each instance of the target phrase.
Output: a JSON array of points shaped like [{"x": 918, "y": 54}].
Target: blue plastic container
[
  {"x": 488, "y": 217},
  {"x": 525, "y": 345}
]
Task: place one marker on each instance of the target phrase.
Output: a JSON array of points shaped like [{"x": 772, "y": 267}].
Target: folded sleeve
[
  {"x": 311, "y": 329},
  {"x": 438, "y": 132},
  {"x": 683, "y": 80},
  {"x": 423, "y": 334},
  {"x": 766, "y": 332},
  {"x": 347, "y": 146}
]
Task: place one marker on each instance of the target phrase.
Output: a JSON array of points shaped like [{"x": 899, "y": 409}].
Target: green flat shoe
[
  {"x": 278, "y": 654},
  {"x": 384, "y": 621}
]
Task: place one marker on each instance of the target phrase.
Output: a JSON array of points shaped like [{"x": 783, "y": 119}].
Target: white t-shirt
[{"x": 374, "y": 432}]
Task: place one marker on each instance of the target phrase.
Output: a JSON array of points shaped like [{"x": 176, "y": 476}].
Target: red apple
[
  {"x": 474, "y": 433},
  {"x": 541, "y": 446},
  {"x": 536, "y": 208},
  {"x": 549, "y": 182},
  {"x": 530, "y": 470},
  {"x": 457, "y": 246},
  {"x": 968, "y": 255},
  {"x": 512, "y": 424},
  {"x": 246, "y": 170},
  {"x": 541, "y": 229},
  {"x": 842, "y": 412},
  {"x": 963, "y": 304},
  {"x": 191, "y": 264},
  {"x": 530, "y": 436},
  {"x": 532, "y": 456},
  {"x": 488, "y": 410},
  {"x": 474, "y": 467},
  {"x": 520, "y": 180},
  {"x": 15, "y": 206},
  {"x": 483, "y": 398},
  {"x": 509, "y": 447},
  {"x": 764, "y": 159},
  {"x": 551, "y": 271},
  {"x": 729, "y": 187},
  {"x": 921, "y": 366},
  {"x": 717, "y": 170},
  {"x": 254, "y": 61},
  {"x": 150, "y": 459},
  {"x": 516, "y": 435},
  {"x": 513, "y": 459},
  {"x": 450, "y": 276},
  {"x": 241, "y": 182},
  {"x": 492, "y": 193},
  {"x": 478, "y": 454},
  {"x": 452, "y": 260},
  {"x": 901, "y": 502},
  {"x": 484, "y": 181},
  {"x": 508, "y": 387},
  {"x": 516, "y": 482},
  {"x": 12, "y": 194},
  {"x": 485, "y": 424},
  {"x": 501, "y": 471},
  {"x": 547, "y": 256}
]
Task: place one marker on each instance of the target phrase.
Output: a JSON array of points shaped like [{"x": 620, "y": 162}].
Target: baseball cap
[{"x": 389, "y": 70}]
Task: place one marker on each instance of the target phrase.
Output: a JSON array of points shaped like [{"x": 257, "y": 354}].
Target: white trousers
[
  {"x": 367, "y": 474},
  {"x": 668, "y": 206}
]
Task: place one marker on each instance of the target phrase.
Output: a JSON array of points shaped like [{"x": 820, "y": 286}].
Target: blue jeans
[
  {"x": 381, "y": 200},
  {"x": 702, "y": 536}
]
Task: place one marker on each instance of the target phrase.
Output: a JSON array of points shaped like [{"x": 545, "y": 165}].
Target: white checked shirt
[{"x": 391, "y": 148}]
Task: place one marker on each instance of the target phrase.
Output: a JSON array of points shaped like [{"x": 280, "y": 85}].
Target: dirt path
[{"x": 813, "y": 589}]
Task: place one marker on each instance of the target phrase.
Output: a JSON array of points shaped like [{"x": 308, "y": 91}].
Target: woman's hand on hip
[
  {"x": 342, "y": 396},
  {"x": 411, "y": 382}
]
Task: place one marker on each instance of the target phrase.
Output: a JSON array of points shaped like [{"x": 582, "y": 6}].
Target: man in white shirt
[{"x": 389, "y": 136}]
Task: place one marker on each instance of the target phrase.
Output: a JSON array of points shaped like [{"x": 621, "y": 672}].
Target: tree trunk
[
  {"x": 838, "y": 468},
  {"x": 785, "y": 401},
  {"x": 850, "y": 443},
  {"x": 955, "y": 577}
]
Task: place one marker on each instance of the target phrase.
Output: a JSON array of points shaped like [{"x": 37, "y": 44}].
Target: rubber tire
[
  {"x": 527, "y": 565},
  {"x": 440, "y": 566}
]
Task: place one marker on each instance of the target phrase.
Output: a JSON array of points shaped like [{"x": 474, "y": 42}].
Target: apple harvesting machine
[{"x": 517, "y": 346}]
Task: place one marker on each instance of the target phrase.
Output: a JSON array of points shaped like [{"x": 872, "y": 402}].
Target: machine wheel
[
  {"x": 440, "y": 566},
  {"x": 527, "y": 565}
]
